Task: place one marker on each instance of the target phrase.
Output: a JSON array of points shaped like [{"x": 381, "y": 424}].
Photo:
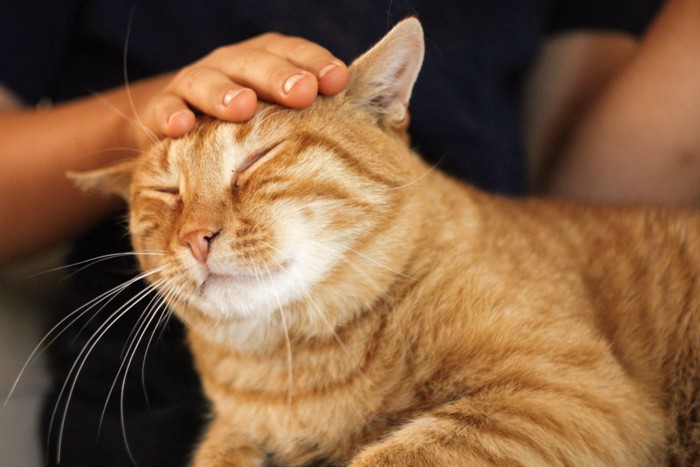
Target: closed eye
[
  {"x": 248, "y": 164},
  {"x": 166, "y": 190},
  {"x": 166, "y": 194}
]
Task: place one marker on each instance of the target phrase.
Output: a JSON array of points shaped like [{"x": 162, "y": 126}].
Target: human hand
[{"x": 226, "y": 83}]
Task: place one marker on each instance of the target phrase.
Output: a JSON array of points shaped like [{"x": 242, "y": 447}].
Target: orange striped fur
[{"x": 356, "y": 306}]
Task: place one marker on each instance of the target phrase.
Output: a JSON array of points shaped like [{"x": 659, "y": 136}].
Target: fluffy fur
[{"x": 347, "y": 303}]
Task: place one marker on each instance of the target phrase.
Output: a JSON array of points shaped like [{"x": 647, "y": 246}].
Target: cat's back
[{"x": 619, "y": 278}]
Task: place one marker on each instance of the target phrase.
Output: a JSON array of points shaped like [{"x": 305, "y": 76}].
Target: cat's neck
[{"x": 316, "y": 321}]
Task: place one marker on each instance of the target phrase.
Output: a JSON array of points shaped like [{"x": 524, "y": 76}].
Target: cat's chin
[{"x": 241, "y": 296}]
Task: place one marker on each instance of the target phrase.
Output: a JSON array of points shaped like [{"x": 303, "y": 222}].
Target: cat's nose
[{"x": 199, "y": 240}]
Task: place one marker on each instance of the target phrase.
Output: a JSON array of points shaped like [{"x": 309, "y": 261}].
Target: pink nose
[{"x": 199, "y": 241}]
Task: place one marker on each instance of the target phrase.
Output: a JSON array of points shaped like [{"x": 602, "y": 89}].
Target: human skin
[
  {"x": 40, "y": 207},
  {"x": 638, "y": 141}
]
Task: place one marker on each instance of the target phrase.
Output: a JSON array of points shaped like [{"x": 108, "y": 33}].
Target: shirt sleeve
[
  {"x": 631, "y": 16},
  {"x": 33, "y": 39}
]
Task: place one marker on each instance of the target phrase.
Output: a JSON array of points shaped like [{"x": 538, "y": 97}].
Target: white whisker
[
  {"x": 98, "y": 259},
  {"x": 133, "y": 121},
  {"x": 363, "y": 256},
  {"x": 415, "y": 180},
  {"x": 128, "y": 365},
  {"x": 149, "y": 134},
  {"x": 177, "y": 298},
  {"x": 130, "y": 348},
  {"x": 165, "y": 313},
  {"x": 91, "y": 262},
  {"x": 117, "y": 290},
  {"x": 290, "y": 380},
  {"x": 67, "y": 321},
  {"x": 77, "y": 366}
]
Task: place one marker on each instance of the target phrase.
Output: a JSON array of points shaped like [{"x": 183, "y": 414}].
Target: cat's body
[{"x": 348, "y": 303}]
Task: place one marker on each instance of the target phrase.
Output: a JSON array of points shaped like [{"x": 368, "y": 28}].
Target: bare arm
[
  {"x": 640, "y": 140},
  {"x": 571, "y": 72},
  {"x": 39, "y": 207}
]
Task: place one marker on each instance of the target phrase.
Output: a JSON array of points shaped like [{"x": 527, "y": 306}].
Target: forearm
[
  {"x": 572, "y": 70},
  {"x": 40, "y": 206},
  {"x": 641, "y": 139}
]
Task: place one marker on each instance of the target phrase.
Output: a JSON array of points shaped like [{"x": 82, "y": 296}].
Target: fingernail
[
  {"x": 324, "y": 71},
  {"x": 291, "y": 81},
  {"x": 231, "y": 95},
  {"x": 175, "y": 115}
]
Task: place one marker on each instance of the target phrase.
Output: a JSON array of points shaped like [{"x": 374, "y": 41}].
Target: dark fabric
[
  {"x": 632, "y": 16},
  {"x": 464, "y": 117}
]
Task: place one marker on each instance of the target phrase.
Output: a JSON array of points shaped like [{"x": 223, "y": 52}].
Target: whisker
[
  {"x": 341, "y": 344},
  {"x": 415, "y": 180},
  {"x": 98, "y": 259},
  {"x": 77, "y": 366},
  {"x": 117, "y": 290},
  {"x": 97, "y": 335},
  {"x": 290, "y": 380},
  {"x": 141, "y": 322},
  {"x": 161, "y": 308},
  {"x": 363, "y": 256},
  {"x": 67, "y": 321},
  {"x": 313, "y": 306},
  {"x": 179, "y": 298},
  {"x": 149, "y": 134},
  {"x": 136, "y": 121},
  {"x": 156, "y": 298},
  {"x": 126, "y": 373}
]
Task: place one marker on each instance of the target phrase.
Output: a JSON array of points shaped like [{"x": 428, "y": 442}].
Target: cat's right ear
[
  {"x": 382, "y": 79},
  {"x": 111, "y": 180}
]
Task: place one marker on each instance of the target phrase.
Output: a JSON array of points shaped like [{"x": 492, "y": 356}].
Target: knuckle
[
  {"x": 160, "y": 109},
  {"x": 222, "y": 52},
  {"x": 252, "y": 60},
  {"x": 270, "y": 36},
  {"x": 191, "y": 75}
]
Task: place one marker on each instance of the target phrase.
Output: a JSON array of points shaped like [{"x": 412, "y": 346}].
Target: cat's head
[{"x": 301, "y": 211}]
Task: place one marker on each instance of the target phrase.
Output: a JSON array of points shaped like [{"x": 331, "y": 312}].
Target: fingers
[
  {"x": 331, "y": 73},
  {"x": 227, "y": 83},
  {"x": 286, "y": 70},
  {"x": 273, "y": 78},
  {"x": 211, "y": 91},
  {"x": 199, "y": 89},
  {"x": 333, "y": 78}
]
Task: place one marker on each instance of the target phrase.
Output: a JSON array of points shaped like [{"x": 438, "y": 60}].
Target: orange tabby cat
[{"x": 347, "y": 303}]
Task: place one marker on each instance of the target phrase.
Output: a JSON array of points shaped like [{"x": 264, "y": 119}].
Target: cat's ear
[
  {"x": 111, "y": 180},
  {"x": 381, "y": 80}
]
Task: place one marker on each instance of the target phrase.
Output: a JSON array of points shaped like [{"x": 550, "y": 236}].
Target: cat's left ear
[
  {"x": 381, "y": 80},
  {"x": 112, "y": 180}
]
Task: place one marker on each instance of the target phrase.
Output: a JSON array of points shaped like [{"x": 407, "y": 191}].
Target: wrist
[{"x": 136, "y": 128}]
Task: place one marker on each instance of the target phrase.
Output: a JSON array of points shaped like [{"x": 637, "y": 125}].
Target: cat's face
[
  {"x": 250, "y": 218},
  {"x": 292, "y": 210}
]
